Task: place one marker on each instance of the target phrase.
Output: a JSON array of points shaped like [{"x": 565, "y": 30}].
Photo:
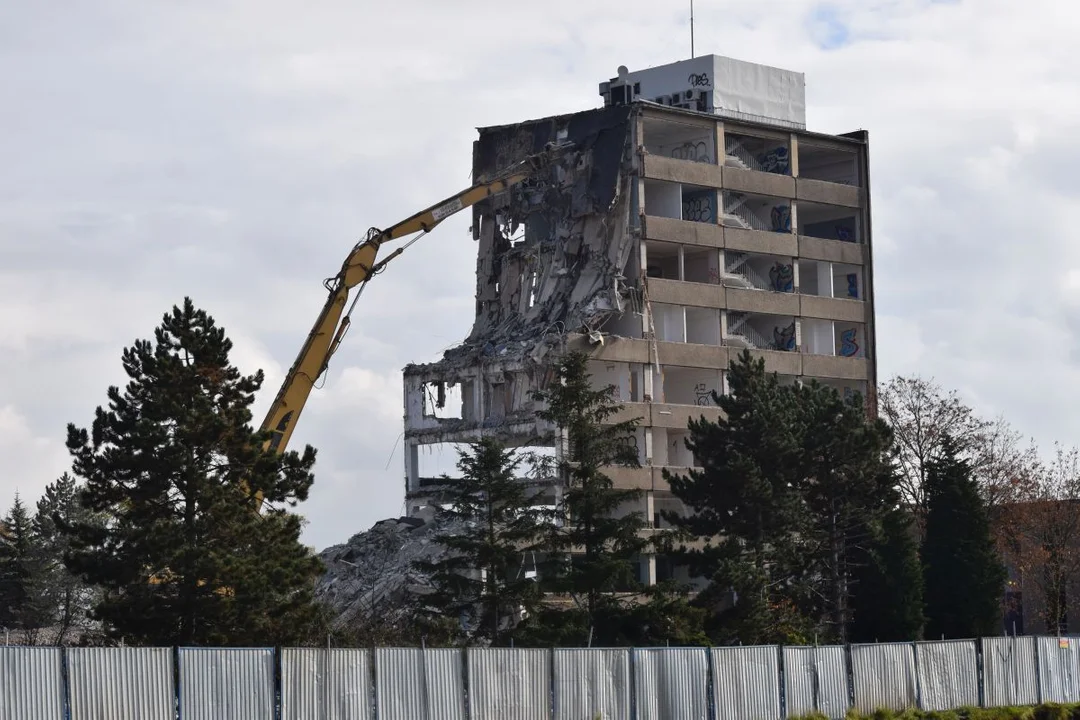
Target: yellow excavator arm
[{"x": 359, "y": 267}]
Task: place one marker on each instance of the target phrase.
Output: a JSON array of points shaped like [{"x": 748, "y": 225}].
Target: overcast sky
[{"x": 235, "y": 150}]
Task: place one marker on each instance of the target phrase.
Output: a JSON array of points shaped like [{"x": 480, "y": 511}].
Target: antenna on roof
[{"x": 691, "y": 29}]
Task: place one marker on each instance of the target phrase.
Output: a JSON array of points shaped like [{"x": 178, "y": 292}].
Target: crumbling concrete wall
[
  {"x": 552, "y": 252},
  {"x": 551, "y": 258}
]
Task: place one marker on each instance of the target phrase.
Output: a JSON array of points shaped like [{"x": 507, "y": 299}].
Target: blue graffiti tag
[
  {"x": 853, "y": 285},
  {"x": 782, "y": 277},
  {"x": 848, "y": 346}
]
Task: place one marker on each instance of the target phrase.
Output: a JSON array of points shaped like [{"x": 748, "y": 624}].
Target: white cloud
[
  {"x": 30, "y": 461},
  {"x": 235, "y": 151}
]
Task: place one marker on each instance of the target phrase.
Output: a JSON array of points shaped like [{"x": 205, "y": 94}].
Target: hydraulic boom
[{"x": 359, "y": 267}]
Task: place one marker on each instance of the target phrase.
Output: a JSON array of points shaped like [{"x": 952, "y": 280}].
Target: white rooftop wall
[{"x": 737, "y": 89}]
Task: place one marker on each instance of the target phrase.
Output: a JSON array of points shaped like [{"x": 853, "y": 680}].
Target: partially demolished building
[{"x": 693, "y": 216}]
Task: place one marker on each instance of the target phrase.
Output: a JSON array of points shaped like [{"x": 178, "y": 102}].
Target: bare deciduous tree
[
  {"x": 1006, "y": 470},
  {"x": 1041, "y": 528},
  {"x": 921, "y": 413}
]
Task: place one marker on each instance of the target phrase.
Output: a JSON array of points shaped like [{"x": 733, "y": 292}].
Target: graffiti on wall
[
  {"x": 703, "y": 395},
  {"x": 782, "y": 277},
  {"x": 853, "y": 285},
  {"x": 694, "y": 151},
  {"x": 699, "y": 80},
  {"x": 784, "y": 337},
  {"x": 781, "y": 218},
  {"x": 849, "y": 346},
  {"x": 777, "y": 160},
  {"x": 700, "y": 206}
]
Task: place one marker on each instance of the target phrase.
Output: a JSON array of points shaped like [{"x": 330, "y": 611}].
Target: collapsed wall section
[{"x": 551, "y": 260}]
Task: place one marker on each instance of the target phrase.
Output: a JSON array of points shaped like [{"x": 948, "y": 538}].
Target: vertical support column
[
  {"x": 412, "y": 466},
  {"x": 648, "y": 560},
  {"x": 793, "y": 159},
  {"x": 721, "y": 151}
]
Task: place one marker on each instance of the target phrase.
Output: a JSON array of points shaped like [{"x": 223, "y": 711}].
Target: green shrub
[{"x": 1048, "y": 711}]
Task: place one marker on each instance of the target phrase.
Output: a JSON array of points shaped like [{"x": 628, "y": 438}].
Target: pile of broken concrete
[{"x": 374, "y": 571}]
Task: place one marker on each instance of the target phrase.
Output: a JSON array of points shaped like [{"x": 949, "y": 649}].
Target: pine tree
[
  {"x": 593, "y": 550},
  {"x": 888, "y": 598},
  {"x": 794, "y": 483},
  {"x": 174, "y": 468},
  {"x": 964, "y": 575},
  {"x": 491, "y": 525},
  {"x": 745, "y": 506}
]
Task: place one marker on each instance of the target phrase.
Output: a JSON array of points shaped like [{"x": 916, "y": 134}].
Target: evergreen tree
[
  {"x": 490, "y": 526},
  {"x": 65, "y": 596},
  {"x": 21, "y": 561},
  {"x": 846, "y": 486},
  {"x": 593, "y": 549},
  {"x": 888, "y": 598},
  {"x": 964, "y": 575},
  {"x": 183, "y": 556},
  {"x": 793, "y": 485},
  {"x": 745, "y": 507}
]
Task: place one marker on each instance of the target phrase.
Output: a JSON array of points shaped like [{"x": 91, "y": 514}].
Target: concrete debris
[
  {"x": 552, "y": 250},
  {"x": 372, "y": 576}
]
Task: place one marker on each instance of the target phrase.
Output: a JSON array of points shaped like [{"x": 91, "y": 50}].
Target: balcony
[
  {"x": 756, "y": 212},
  {"x": 750, "y": 271},
  {"x": 761, "y": 154},
  {"x": 833, "y": 338},
  {"x": 679, "y": 324},
  {"x": 757, "y": 331},
  {"x": 680, "y": 201},
  {"x": 672, "y": 261},
  {"x": 689, "y": 386},
  {"x": 829, "y": 222},
  {"x": 831, "y": 280},
  {"x": 692, "y": 142},
  {"x": 828, "y": 164}
]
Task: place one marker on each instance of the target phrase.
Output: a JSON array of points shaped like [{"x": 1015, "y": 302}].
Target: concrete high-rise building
[{"x": 693, "y": 216}]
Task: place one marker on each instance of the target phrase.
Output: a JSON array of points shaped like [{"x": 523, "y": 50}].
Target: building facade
[{"x": 693, "y": 216}]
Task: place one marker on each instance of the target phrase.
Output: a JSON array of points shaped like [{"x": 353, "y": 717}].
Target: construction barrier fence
[{"x": 686, "y": 683}]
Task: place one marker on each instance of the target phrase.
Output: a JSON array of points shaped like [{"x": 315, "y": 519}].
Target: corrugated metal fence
[
  {"x": 1010, "y": 671},
  {"x": 749, "y": 683}
]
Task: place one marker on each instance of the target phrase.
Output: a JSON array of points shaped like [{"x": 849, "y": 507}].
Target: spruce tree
[
  {"x": 490, "y": 526},
  {"x": 22, "y": 605},
  {"x": 67, "y": 598},
  {"x": 174, "y": 469},
  {"x": 593, "y": 548},
  {"x": 964, "y": 575},
  {"x": 888, "y": 597}
]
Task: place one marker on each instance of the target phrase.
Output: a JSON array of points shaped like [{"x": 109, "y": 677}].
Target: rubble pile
[{"x": 373, "y": 572}]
